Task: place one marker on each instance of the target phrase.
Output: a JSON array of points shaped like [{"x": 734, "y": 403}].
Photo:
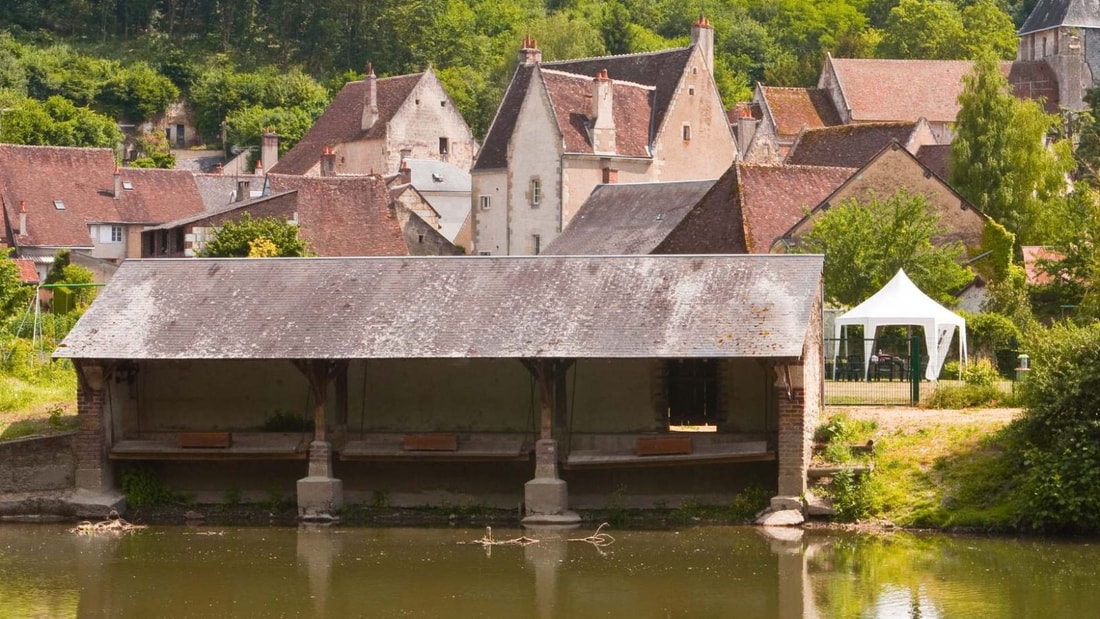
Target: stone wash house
[
  {"x": 554, "y": 382},
  {"x": 58, "y": 198},
  {"x": 563, "y": 127},
  {"x": 372, "y": 124},
  {"x": 336, "y": 216}
]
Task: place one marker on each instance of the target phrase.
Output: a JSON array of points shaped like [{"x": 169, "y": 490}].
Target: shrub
[
  {"x": 142, "y": 487},
  {"x": 980, "y": 373},
  {"x": 968, "y": 396},
  {"x": 950, "y": 370},
  {"x": 851, "y": 495}
]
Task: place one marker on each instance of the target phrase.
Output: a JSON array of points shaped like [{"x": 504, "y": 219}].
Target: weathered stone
[
  {"x": 817, "y": 506},
  {"x": 319, "y": 498},
  {"x": 780, "y": 503},
  {"x": 782, "y": 518}
]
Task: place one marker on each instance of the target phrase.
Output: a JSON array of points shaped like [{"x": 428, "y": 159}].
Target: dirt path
[{"x": 893, "y": 418}]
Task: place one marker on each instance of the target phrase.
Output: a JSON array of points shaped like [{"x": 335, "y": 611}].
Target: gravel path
[{"x": 893, "y": 418}]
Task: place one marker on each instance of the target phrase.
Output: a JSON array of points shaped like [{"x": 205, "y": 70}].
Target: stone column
[
  {"x": 320, "y": 495},
  {"x": 546, "y": 497},
  {"x": 795, "y": 435}
]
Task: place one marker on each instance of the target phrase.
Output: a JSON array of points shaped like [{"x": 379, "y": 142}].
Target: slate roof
[
  {"x": 82, "y": 179},
  {"x": 629, "y": 218},
  {"x": 936, "y": 157},
  {"x": 1053, "y": 13},
  {"x": 847, "y": 146},
  {"x": 343, "y": 121},
  {"x": 243, "y": 205},
  {"x": 882, "y": 90},
  {"x": 218, "y": 190},
  {"x": 774, "y": 198},
  {"x": 662, "y": 70},
  {"x": 344, "y": 215},
  {"x": 571, "y": 97},
  {"x": 459, "y": 307},
  {"x": 795, "y": 108}
]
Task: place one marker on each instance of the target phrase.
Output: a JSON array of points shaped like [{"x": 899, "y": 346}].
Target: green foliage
[
  {"x": 57, "y": 122},
  {"x": 137, "y": 92},
  {"x": 143, "y": 488},
  {"x": 75, "y": 274},
  {"x": 866, "y": 244},
  {"x": 988, "y": 332},
  {"x": 980, "y": 373},
  {"x": 285, "y": 421},
  {"x": 14, "y": 294},
  {"x": 247, "y": 125},
  {"x": 221, "y": 91},
  {"x": 234, "y": 239},
  {"x": 1074, "y": 279},
  {"x": 155, "y": 152},
  {"x": 941, "y": 29},
  {"x": 1061, "y": 482},
  {"x": 748, "y": 503},
  {"x": 852, "y": 495}
]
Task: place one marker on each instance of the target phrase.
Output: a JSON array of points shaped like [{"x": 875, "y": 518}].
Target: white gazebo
[{"x": 900, "y": 302}]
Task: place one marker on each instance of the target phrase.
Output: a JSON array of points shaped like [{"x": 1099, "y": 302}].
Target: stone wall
[{"x": 37, "y": 464}]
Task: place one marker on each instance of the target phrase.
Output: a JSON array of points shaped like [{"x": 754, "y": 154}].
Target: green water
[{"x": 702, "y": 572}]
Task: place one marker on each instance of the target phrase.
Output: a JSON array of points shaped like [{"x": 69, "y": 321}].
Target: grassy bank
[{"x": 39, "y": 404}]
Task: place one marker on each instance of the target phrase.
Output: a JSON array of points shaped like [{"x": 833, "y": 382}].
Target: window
[
  {"x": 536, "y": 192},
  {"x": 687, "y": 132},
  {"x": 694, "y": 70},
  {"x": 485, "y": 202},
  {"x": 127, "y": 185},
  {"x": 536, "y": 243},
  {"x": 691, "y": 91},
  {"x": 420, "y": 238},
  {"x": 442, "y": 104},
  {"x": 692, "y": 392},
  {"x": 116, "y": 234},
  {"x": 444, "y": 146},
  {"x": 180, "y": 136},
  {"x": 59, "y": 205}
]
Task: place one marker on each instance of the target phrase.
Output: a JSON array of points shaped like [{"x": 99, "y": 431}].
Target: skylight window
[
  {"x": 127, "y": 185},
  {"x": 59, "y": 205}
]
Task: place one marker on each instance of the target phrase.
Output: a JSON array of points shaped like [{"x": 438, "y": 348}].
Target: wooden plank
[
  {"x": 187, "y": 440},
  {"x": 434, "y": 441},
  {"x": 663, "y": 446}
]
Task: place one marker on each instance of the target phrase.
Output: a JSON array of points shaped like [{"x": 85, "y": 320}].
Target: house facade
[
  {"x": 563, "y": 127},
  {"x": 372, "y": 124},
  {"x": 433, "y": 381},
  {"x": 1064, "y": 34}
]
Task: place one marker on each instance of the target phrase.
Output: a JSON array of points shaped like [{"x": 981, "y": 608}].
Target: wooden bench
[
  {"x": 609, "y": 451},
  {"x": 437, "y": 446},
  {"x": 187, "y": 440},
  {"x": 214, "y": 446}
]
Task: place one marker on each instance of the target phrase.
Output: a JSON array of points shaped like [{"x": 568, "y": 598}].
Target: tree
[
  {"x": 14, "y": 294},
  {"x": 237, "y": 239},
  {"x": 866, "y": 243},
  {"x": 999, "y": 160},
  {"x": 929, "y": 29},
  {"x": 138, "y": 92},
  {"x": 57, "y": 122}
]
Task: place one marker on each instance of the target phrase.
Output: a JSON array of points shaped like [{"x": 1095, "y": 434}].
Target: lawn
[{"x": 46, "y": 405}]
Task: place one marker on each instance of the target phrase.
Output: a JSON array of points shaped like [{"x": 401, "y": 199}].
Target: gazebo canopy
[{"x": 900, "y": 302}]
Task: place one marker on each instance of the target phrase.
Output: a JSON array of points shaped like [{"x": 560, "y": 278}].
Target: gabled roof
[
  {"x": 774, "y": 198},
  {"x": 343, "y": 121},
  {"x": 1053, "y": 13},
  {"x": 883, "y": 90},
  {"x": 936, "y": 157},
  {"x": 218, "y": 190},
  {"x": 460, "y": 307},
  {"x": 446, "y": 188},
  {"x": 847, "y": 146},
  {"x": 157, "y": 196},
  {"x": 630, "y": 218},
  {"x": 27, "y": 273},
  {"x": 571, "y": 97},
  {"x": 662, "y": 70},
  {"x": 344, "y": 215},
  {"x": 795, "y": 108},
  {"x": 243, "y": 205}
]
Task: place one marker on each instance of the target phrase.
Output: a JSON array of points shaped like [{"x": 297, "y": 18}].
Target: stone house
[
  {"x": 372, "y": 124},
  {"x": 439, "y": 193},
  {"x": 770, "y": 123},
  {"x": 563, "y": 127},
  {"x": 336, "y": 216},
  {"x": 58, "y": 198},
  {"x": 853, "y": 146},
  {"x": 555, "y": 383},
  {"x": 1064, "y": 34}
]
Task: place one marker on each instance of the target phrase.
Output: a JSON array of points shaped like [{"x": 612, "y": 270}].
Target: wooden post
[{"x": 319, "y": 373}]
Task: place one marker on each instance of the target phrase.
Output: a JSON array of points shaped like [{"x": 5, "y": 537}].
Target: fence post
[{"x": 914, "y": 370}]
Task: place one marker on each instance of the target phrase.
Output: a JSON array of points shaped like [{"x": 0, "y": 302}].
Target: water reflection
[{"x": 706, "y": 572}]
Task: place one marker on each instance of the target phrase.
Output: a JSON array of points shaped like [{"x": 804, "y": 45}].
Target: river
[{"x": 169, "y": 571}]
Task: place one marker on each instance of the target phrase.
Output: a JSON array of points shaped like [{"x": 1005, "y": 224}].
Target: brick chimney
[
  {"x": 118, "y": 184},
  {"x": 269, "y": 148},
  {"x": 405, "y": 173},
  {"x": 530, "y": 53},
  {"x": 370, "y": 102},
  {"x": 702, "y": 36},
  {"x": 244, "y": 191},
  {"x": 603, "y": 120},
  {"x": 22, "y": 218},
  {"x": 328, "y": 161}
]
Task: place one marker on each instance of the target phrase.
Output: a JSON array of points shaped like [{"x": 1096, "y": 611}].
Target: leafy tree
[
  {"x": 236, "y": 239},
  {"x": 865, "y": 244},
  {"x": 155, "y": 152},
  {"x": 138, "y": 92},
  {"x": 930, "y": 29},
  {"x": 986, "y": 26},
  {"x": 57, "y": 122},
  {"x": 999, "y": 161},
  {"x": 1075, "y": 278},
  {"x": 247, "y": 125},
  {"x": 14, "y": 294},
  {"x": 221, "y": 91},
  {"x": 76, "y": 274}
]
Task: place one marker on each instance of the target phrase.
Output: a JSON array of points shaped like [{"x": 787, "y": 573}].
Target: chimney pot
[
  {"x": 603, "y": 126},
  {"x": 328, "y": 161},
  {"x": 259, "y": 171},
  {"x": 530, "y": 53},
  {"x": 22, "y": 218},
  {"x": 244, "y": 191},
  {"x": 702, "y": 36}
]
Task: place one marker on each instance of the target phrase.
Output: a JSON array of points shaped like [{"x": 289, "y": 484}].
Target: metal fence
[{"x": 859, "y": 371}]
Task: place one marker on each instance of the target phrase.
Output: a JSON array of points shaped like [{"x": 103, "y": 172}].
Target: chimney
[
  {"x": 610, "y": 176},
  {"x": 406, "y": 173},
  {"x": 530, "y": 53},
  {"x": 269, "y": 148},
  {"x": 244, "y": 191},
  {"x": 746, "y": 130},
  {"x": 702, "y": 36},
  {"x": 603, "y": 121},
  {"x": 219, "y": 169},
  {"x": 118, "y": 183},
  {"x": 259, "y": 171},
  {"x": 328, "y": 161},
  {"x": 370, "y": 105},
  {"x": 22, "y": 218}
]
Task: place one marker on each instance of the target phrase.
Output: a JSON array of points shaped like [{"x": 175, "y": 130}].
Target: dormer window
[
  {"x": 437, "y": 177},
  {"x": 59, "y": 205}
]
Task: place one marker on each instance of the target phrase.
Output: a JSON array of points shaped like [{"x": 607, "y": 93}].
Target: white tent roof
[{"x": 900, "y": 302}]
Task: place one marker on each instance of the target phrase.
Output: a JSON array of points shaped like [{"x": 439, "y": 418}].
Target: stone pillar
[
  {"x": 795, "y": 435},
  {"x": 546, "y": 497},
  {"x": 320, "y": 495},
  {"x": 93, "y": 471}
]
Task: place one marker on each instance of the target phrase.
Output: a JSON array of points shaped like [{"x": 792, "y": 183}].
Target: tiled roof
[
  {"x": 774, "y": 198},
  {"x": 459, "y": 307},
  {"x": 571, "y": 97},
  {"x": 847, "y": 146},
  {"x": 1053, "y": 13},
  {"x": 27, "y": 273},
  {"x": 880, "y": 90},
  {"x": 795, "y": 108},
  {"x": 345, "y": 215},
  {"x": 936, "y": 157},
  {"x": 1032, "y": 255},
  {"x": 243, "y": 205},
  {"x": 66, "y": 188},
  {"x": 662, "y": 70},
  {"x": 630, "y": 218},
  {"x": 343, "y": 121}
]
